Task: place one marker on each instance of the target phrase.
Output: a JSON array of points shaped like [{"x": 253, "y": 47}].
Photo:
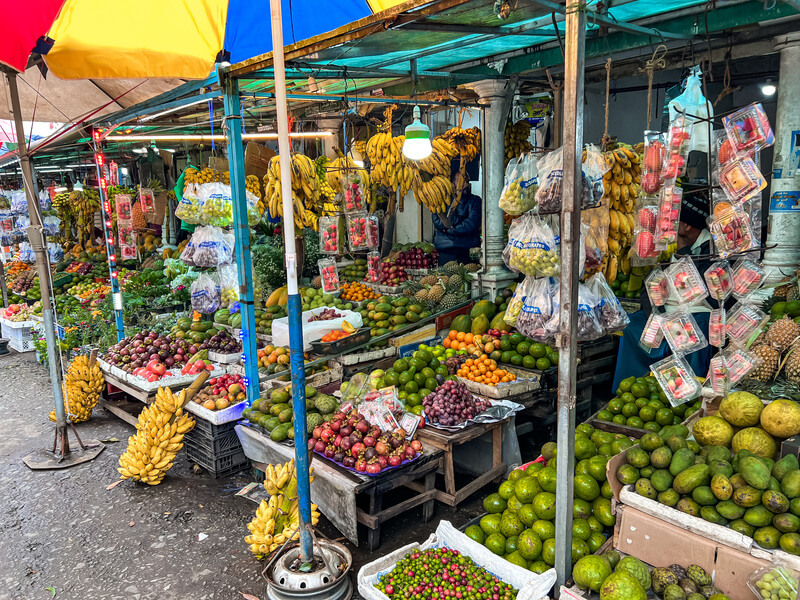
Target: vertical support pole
[
  {"x": 108, "y": 234},
  {"x": 37, "y": 241},
  {"x": 241, "y": 232},
  {"x": 570, "y": 246},
  {"x": 295, "y": 305},
  {"x": 3, "y": 287}
]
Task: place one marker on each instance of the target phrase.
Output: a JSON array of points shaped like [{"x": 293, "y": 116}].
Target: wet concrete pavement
[{"x": 183, "y": 539}]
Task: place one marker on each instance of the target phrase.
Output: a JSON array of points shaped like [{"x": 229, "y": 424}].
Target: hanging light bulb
[
  {"x": 418, "y": 139},
  {"x": 768, "y": 88}
]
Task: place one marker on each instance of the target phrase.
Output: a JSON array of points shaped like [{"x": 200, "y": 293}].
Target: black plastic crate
[
  {"x": 218, "y": 467},
  {"x": 221, "y": 445},
  {"x": 208, "y": 430}
]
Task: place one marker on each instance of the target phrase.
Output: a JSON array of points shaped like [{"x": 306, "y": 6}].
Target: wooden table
[
  {"x": 335, "y": 488},
  {"x": 447, "y": 442}
]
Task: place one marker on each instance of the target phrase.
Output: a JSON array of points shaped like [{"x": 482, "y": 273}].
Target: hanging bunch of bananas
[
  {"x": 435, "y": 191},
  {"x": 338, "y": 170},
  {"x": 305, "y": 190},
  {"x": 466, "y": 142},
  {"x": 620, "y": 190},
  {"x": 361, "y": 147},
  {"x": 327, "y": 193},
  {"x": 515, "y": 139},
  {"x": 205, "y": 175},
  {"x": 62, "y": 205},
  {"x": 388, "y": 165},
  {"x": 82, "y": 387},
  {"x": 84, "y": 204},
  {"x": 159, "y": 437},
  {"x": 278, "y": 519}
]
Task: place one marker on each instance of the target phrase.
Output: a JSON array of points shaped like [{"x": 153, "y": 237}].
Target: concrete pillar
[
  {"x": 784, "y": 222},
  {"x": 328, "y": 142},
  {"x": 493, "y": 95}
]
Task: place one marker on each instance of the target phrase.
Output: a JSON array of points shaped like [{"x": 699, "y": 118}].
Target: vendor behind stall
[
  {"x": 694, "y": 239},
  {"x": 459, "y": 230}
]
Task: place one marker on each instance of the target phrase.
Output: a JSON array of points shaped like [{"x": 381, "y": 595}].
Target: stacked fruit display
[
  {"x": 640, "y": 403},
  {"x": 415, "y": 256},
  {"x": 485, "y": 370},
  {"x": 17, "y": 313},
  {"x": 416, "y": 377},
  {"x": 629, "y": 578},
  {"x": 275, "y": 413},
  {"x": 520, "y": 524},
  {"x": 357, "y": 292},
  {"x": 141, "y": 349},
  {"x": 355, "y": 272},
  {"x": 26, "y": 283},
  {"x": 221, "y": 392},
  {"x": 728, "y": 474},
  {"x": 390, "y": 314},
  {"x": 312, "y": 298},
  {"x": 392, "y": 274},
  {"x": 349, "y": 439},
  {"x": 222, "y": 342},
  {"x": 277, "y": 359}
]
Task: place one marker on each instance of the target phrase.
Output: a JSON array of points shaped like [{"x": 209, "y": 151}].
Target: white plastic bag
[
  {"x": 314, "y": 330},
  {"x": 205, "y": 294},
  {"x": 697, "y": 109}
]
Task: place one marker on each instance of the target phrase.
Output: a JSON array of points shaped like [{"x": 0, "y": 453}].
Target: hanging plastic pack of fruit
[
  {"x": 210, "y": 247},
  {"x": 748, "y": 129},
  {"x": 654, "y": 152},
  {"x": 329, "y": 234},
  {"x": 612, "y": 316},
  {"x": 716, "y": 327},
  {"x": 719, "y": 281},
  {"x": 677, "y": 151},
  {"x": 521, "y": 182},
  {"x": 517, "y": 301},
  {"x": 373, "y": 266},
  {"x": 228, "y": 284},
  {"x": 682, "y": 333},
  {"x": 519, "y": 242},
  {"x": 537, "y": 310},
  {"x": 742, "y": 322},
  {"x": 731, "y": 228},
  {"x": 747, "y": 278},
  {"x": 329, "y": 275},
  {"x": 189, "y": 209},
  {"x": 676, "y": 379},
  {"x": 718, "y": 378},
  {"x": 644, "y": 244},
  {"x": 353, "y": 192},
  {"x": 686, "y": 284},
  {"x": 373, "y": 231},
  {"x": 217, "y": 204},
  {"x": 589, "y": 305},
  {"x": 652, "y": 334},
  {"x": 205, "y": 294},
  {"x": 741, "y": 179},
  {"x": 669, "y": 212},
  {"x": 187, "y": 256},
  {"x": 357, "y": 231}
]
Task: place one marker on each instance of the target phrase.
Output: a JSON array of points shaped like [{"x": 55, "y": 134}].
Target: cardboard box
[
  {"x": 444, "y": 321},
  {"x": 660, "y": 544}
]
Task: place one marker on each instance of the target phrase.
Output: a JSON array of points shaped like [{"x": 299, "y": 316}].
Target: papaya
[
  {"x": 462, "y": 323},
  {"x": 280, "y": 433},
  {"x": 480, "y": 325},
  {"x": 755, "y": 473},
  {"x": 483, "y": 307},
  {"x": 691, "y": 478},
  {"x": 498, "y": 322}
]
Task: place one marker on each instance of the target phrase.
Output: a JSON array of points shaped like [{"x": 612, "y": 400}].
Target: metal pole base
[{"x": 61, "y": 455}]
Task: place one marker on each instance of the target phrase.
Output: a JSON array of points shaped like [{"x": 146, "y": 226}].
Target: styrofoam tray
[
  {"x": 217, "y": 417},
  {"x": 178, "y": 380},
  {"x": 360, "y": 357},
  {"x": 16, "y": 324},
  {"x": 525, "y": 382},
  {"x": 530, "y": 585},
  {"x": 224, "y": 359}
]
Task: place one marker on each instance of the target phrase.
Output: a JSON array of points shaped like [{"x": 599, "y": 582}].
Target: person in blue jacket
[{"x": 460, "y": 230}]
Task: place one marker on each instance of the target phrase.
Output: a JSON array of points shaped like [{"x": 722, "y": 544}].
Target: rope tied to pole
[
  {"x": 606, "y": 138},
  {"x": 655, "y": 62},
  {"x": 726, "y": 80}
]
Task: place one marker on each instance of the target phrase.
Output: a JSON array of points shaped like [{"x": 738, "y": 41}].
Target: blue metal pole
[
  {"x": 295, "y": 305},
  {"x": 241, "y": 231},
  {"x": 108, "y": 233}
]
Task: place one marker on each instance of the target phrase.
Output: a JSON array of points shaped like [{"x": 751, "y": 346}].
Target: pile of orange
[
  {"x": 334, "y": 335},
  {"x": 358, "y": 292},
  {"x": 484, "y": 370},
  {"x": 474, "y": 344},
  {"x": 271, "y": 354}
]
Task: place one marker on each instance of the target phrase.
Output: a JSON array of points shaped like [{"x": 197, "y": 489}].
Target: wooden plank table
[{"x": 447, "y": 441}]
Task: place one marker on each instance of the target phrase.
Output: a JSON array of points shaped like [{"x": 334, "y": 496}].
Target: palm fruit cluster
[
  {"x": 515, "y": 139},
  {"x": 277, "y": 520},
  {"x": 620, "y": 190},
  {"x": 159, "y": 436},
  {"x": 305, "y": 190},
  {"x": 81, "y": 389}
]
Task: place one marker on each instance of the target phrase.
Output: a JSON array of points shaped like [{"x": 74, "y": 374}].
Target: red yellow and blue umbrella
[{"x": 137, "y": 39}]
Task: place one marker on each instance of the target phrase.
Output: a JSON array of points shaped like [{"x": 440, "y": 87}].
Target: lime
[
  {"x": 615, "y": 406},
  {"x": 547, "y": 479},
  {"x": 629, "y": 410},
  {"x": 538, "y": 350},
  {"x": 516, "y": 360},
  {"x": 505, "y": 356},
  {"x": 528, "y": 362},
  {"x": 542, "y": 363},
  {"x": 419, "y": 379},
  {"x": 647, "y": 413},
  {"x": 526, "y": 514},
  {"x": 418, "y": 410},
  {"x": 627, "y": 397},
  {"x": 581, "y": 509},
  {"x": 639, "y": 390},
  {"x": 505, "y": 344}
]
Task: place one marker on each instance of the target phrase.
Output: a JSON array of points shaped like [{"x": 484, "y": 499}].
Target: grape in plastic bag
[
  {"x": 205, "y": 294},
  {"x": 537, "y": 310},
  {"x": 589, "y": 326},
  {"x": 187, "y": 256},
  {"x": 228, "y": 284},
  {"x": 217, "y": 204},
  {"x": 517, "y": 301},
  {"x": 612, "y": 316},
  {"x": 190, "y": 208},
  {"x": 519, "y": 191},
  {"x": 210, "y": 248}
]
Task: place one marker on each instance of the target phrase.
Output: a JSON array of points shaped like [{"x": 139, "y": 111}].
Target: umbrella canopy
[{"x": 132, "y": 39}]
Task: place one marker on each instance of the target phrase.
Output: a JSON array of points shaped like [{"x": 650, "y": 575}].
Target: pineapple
[
  {"x": 770, "y": 357},
  {"x": 450, "y": 268},
  {"x": 449, "y": 301},
  {"x": 435, "y": 293},
  {"x": 793, "y": 364},
  {"x": 455, "y": 283},
  {"x": 316, "y": 283},
  {"x": 473, "y": 267},
  {"x": 421, "y": 295},
  {"x": 783, "y": 333},
  {"x": 429, "y": 280},
  {"x": 782, "y": 291}
]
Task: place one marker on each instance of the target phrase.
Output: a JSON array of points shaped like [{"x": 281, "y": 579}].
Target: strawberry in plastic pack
[
  {"x": 678, "y": 136},
  {"x": 719, "y": 281},
  {"x": 644, "y": 244},
  {"x": 730, "y": 226},
  {"x": 353, "y": 193},
  {"x": 716, "y": 328},
  {"x": 654, "y": 152},
  {"x": 373, "y": 231},
  {"x": 357, "y": 231},
  {"x": 657, "y": 287},
  {"x": 740, "y": 363},
  {"x": 685, "y": 282},
  {"x": 748, "y": 129},
  {"x": 329, "y": 235},
  {"x": 747, "y": 278},
  {"x": 718, "y": 376},
  {"x": 669, "y": 212},
  {"x": 373, "y": 267},
  {"x": 682, "y": 333},
  {"x": 329, "y": 275},
  {"x": 677, "y": 380},
  {"x": 743, "y": 321},
  {"x": 652, "y": 334}
]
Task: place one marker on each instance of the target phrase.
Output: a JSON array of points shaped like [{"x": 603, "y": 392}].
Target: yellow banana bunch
[
  {"x": 159, "y": 436},
  {"x": 278, "y": 519},
  {"x": 516, "y": 139},
  {"x": 82, "y": 387},
  {"x": 621, "y": 189},
  {"x": 388, "y": 165},
  {"x": 435, "y": 193},
  {"x": 465, "y": 142},
  {"x": 305, "y": 190}
]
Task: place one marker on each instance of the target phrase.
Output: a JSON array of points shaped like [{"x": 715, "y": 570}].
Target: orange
[
  {"x": 460, "y": 336},
  {"x": 468, "y": 338},
  {"x": 452, "y": 335}
]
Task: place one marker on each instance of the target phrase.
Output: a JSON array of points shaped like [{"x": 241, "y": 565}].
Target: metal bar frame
[
  {"x": 574, "y": 55},
  {"x": 241, "y": 232},
  {"x": 375, "y": 99}
]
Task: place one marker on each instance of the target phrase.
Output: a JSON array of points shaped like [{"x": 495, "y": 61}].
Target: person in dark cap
[
  {"x": 694, "y": 239},
  {"x": 459, "y": 229}
]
